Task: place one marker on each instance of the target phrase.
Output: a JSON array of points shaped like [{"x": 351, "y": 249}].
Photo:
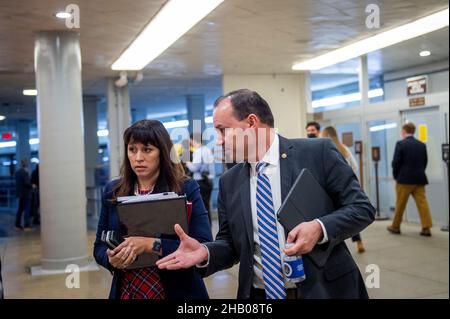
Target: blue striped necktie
[{"x": 268, "y": 237}]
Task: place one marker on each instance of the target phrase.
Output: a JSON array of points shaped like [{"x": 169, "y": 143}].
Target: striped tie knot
[{"x": 260, "y": 167}]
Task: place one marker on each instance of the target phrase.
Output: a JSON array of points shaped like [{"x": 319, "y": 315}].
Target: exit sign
[{"x": 7, "y": 135}]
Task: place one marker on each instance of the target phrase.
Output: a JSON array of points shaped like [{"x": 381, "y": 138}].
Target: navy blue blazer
[
  {"x": 410, "y": 161},
  {"x": 178, "y": 284}
]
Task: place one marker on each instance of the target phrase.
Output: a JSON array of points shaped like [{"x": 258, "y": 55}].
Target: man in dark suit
[
  {"x": 408, "y": 168},
  {"x": 23, "y": 192},
  {"x": 250, "y": 194}
]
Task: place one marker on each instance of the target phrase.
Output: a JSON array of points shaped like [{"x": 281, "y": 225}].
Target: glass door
[{"x": 382, "y": 133}]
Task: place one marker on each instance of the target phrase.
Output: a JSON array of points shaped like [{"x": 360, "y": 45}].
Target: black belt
[{"x": 256, "y": 293}]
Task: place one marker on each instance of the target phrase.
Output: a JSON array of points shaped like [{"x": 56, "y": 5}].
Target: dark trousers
[
  {"x": 206, "y": 187},
  {"x": 24, "y": 208},
  {"x": 357, "y": 237},
  {"x": 34, "y": 206}
]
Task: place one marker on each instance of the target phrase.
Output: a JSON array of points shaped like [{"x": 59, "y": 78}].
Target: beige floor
[{"x": 410, "y": 266}]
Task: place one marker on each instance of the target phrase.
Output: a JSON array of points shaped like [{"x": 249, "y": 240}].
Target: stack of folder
[{"x": 152, "y": 215}]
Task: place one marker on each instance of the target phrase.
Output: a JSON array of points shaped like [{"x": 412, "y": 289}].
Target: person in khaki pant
[{"x": 408, "y": 165}]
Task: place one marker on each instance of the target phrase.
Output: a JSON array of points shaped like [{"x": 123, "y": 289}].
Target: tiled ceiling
[{"x": 239, "y": 37}]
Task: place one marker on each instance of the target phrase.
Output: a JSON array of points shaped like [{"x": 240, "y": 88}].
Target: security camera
[{"x": 123, "y": 80}]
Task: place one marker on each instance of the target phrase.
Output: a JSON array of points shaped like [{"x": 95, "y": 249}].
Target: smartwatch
[{"x": 156, "y": 245}]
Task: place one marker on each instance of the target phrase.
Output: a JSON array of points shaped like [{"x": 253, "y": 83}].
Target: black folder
[
  {"x": 152, "y": 216},
  {"x": 306, "y": 201}
]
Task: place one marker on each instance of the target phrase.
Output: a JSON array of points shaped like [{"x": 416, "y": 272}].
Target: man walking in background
[{"x": 408, "y": 167}]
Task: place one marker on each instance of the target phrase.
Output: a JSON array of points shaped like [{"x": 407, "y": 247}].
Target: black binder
[
  {"x": 306, "y": 201},
  {"x": 151, "y": 216}
]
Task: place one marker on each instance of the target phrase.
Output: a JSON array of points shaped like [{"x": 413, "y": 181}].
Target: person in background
[
  {"x": 203, "y": 171},
  {"x": 34, "y": 210},
  {"x": 313, "y": 129},
  {"x": 148, "y": 168},
  {"x": 23, "y": 192},
  {"x": 330, "y": 132},
  {"x": 408, "y": 167}
]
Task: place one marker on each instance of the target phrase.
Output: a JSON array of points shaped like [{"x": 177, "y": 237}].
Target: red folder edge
[{"x": 189, "y": 210}]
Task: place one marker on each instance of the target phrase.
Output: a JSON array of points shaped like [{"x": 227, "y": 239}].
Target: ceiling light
[
  {"x": 347, "y": 98},
  {"x": 173, "y": 124},
  {"x": 424, "y": 53},
  {"x": 8, "y": 144},
  {"x": 102, "y": 133},
  {"x": 2, "y": 117},
  {"x": 405, "y": 32},
  {"x": 31, "y": 92},
  {"x": 175, "y": 19},
  {"x": 63, "y": 15},
  {"x": 33, "y": 141}
]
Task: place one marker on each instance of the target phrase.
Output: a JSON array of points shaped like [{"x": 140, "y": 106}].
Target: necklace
[{"x": 138, "y": 191}]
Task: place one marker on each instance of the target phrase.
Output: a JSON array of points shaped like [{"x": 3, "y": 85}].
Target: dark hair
[
  {"x": 409, "y": 128},
  {"x": 313, "y": 123},
  {"x": 150, "y": 132},
  {"x": 246, "y": 102}
]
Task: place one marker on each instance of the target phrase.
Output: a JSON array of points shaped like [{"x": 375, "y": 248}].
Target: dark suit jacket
[
  {"x": 23, "y": 184},
  {"x": 339, "y": 277},
  {"x": 410, "y": 161},
  {"x": 179, "y": 284}
]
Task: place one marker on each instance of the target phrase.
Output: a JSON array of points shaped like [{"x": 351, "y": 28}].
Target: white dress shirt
[{"x": 202, "y": 161}]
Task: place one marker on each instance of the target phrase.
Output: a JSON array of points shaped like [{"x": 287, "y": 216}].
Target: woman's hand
[
  {"x": 122, "y": 258},
  {"x": 138, "y": 245}
]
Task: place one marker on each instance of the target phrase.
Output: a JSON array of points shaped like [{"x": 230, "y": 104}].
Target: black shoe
[
  {"x": 393, "y": 230},
  {"x": 425, "y": 232}
]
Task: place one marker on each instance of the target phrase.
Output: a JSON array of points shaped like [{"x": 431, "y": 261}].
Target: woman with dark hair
[{"x": 150, "y": 166}]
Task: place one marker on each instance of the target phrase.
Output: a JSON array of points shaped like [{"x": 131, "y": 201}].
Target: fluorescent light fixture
[
  {"x": 63, "y": 15},
  {"x": 30, "y": 92},
  {"x": 102, "y": 133},
  {"x": 175, "y": 19},
  {"x": 182, "y": 123},
  {"x": 208, "y": 119},
  {"x": 8, "y": 144},
  {"x": 2, "y": 117},
  {"x": 405, "y": 32},
  {"x": 383, "y": 127},
  {"x": 33, "y": 141},
  {"x": 425, "y": 53},
  {"x": 353, "y": 97}
]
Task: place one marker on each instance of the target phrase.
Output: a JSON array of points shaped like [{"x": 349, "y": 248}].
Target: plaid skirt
[{"x": 142, "y": 283}]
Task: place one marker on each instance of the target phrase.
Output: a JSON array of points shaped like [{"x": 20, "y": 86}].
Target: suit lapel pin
[{"x": 284, "y": 155}]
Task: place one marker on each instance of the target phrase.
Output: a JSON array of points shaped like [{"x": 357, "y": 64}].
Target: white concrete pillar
[
  {"x": 61, "y": 150},
  {"x": 195, "y": 105},
  {"x": 119, "y": 118},
  {"x": 288, "y": 96}
]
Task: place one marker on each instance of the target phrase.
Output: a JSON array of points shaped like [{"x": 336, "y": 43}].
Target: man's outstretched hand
[{"x": 189, "y": 253}]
